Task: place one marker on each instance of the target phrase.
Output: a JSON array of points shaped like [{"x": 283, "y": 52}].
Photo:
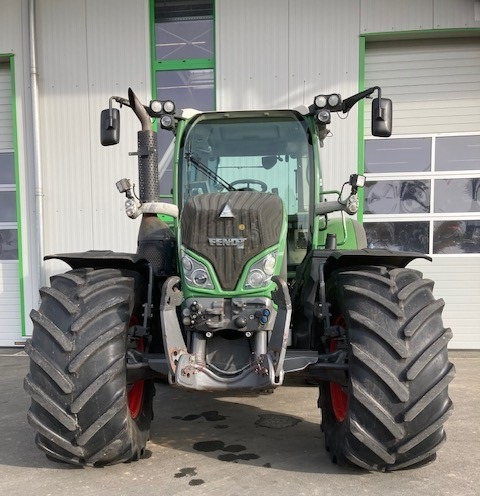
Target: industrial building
[{"x": 61, "y": 60}]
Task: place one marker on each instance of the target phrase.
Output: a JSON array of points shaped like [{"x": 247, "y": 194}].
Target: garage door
[
  {"x": 423, "y": 189},
  {"x": 10, "y": 327}
]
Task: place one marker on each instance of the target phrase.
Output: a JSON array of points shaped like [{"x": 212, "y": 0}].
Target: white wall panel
[
  {"x": 280, "y": 54},
  {"x": 64, "y": 125},
  {"x": 269, "y": 54},
  {"x": 455, "y": 14},
  {"x": 115, "y": 63},
  {"x": 86, "y": 56},
  {"x": 324, "y": 59},
  {"x": 252, "y": 54},
  {"x": 379, "y": 16},
  {"x": 457, "y": 281},
  {"x": 9, "y": 303},
  {"x": 10, "y": 26}
]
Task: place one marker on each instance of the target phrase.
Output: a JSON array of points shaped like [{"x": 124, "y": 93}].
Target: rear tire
[
  {"x": 396, "y": 401},
  {"x": 77, "y": 380}
]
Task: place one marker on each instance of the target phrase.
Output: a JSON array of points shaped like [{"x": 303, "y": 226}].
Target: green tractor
[{"x": 245, "y": 277}]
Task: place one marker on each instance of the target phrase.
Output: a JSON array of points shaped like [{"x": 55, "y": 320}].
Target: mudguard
[
  {"x": 315, "y": 270},
  {"x": 103, "y": 259}
]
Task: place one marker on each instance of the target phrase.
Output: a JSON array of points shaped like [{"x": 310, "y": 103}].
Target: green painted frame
[
  {"x": 386, "y": 36},
  {"x": 177, "y": 65},
  {"x": 10, "y": 58}
]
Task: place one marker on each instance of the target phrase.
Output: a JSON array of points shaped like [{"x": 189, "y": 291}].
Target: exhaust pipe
[{"x": 147, "y": 153}]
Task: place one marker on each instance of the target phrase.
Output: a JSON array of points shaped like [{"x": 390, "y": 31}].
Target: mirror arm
[
  {"x": 349, "y": 102},
  {"x": 121, "y": 101},
  {"x": 110, "y": 111}
]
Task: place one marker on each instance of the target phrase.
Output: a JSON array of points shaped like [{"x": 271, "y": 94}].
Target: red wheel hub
[
  {"x": 135, "y": 399},
  {"x": 338, "y": 396},
  {"x": 135, "y": 395}
]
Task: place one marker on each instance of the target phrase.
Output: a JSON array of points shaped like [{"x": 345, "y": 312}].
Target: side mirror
[
  {"x": 382, "y": 117},
  {"x": 110, "y": 127}
]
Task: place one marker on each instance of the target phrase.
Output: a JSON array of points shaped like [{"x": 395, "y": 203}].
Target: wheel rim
[
  {"x": 135, "y": 394},
  {"x": 339, "y": 397},
  {"x": 135, "y": 399}
]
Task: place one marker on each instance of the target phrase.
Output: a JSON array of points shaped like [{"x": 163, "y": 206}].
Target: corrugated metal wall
[
  {"x": 276, "y": 53},
  {"x": 281, "y": 53},
  {"x": 13, "y": 41},
  {"x": 87, "y": 52},
  {"x": 379, "y": 16},
  {"x": 457, "y": 282},
  {"x": 269, "y": 53}
]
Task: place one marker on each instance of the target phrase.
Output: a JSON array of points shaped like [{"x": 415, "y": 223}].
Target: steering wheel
[{"x": 247, "y": 182}]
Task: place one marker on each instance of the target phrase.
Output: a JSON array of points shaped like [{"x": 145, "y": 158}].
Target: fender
[
  {"x": 316, "y": 269},
  {"x": 105, "y": 259},
  {"x": 351, "y": 238}
]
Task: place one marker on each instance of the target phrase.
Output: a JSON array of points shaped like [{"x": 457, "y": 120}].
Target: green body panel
[
  {"x": 317, "y": 183},
  {"x": 345, "y": 232}
]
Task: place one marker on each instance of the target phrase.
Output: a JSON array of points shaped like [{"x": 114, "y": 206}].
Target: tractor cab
[{"x": 267, "y": 152}]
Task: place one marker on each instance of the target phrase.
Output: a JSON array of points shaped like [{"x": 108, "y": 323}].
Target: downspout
[{"x": 37, "y": 163}]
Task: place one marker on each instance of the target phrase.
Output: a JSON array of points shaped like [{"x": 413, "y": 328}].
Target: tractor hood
[{"x": 229, "y": 229}]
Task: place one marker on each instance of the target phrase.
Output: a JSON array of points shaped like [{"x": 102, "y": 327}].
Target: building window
[
  {"x": 8, "y": 189},
  {"x": 423, "y": 193},
  {"x": 183, "y": 66},
  {"x": 8, "y": 207}
]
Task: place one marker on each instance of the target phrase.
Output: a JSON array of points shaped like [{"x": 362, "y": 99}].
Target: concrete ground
[{"x": 237, "y": 445}]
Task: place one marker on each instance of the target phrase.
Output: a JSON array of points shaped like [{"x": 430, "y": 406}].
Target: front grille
[{"x": 257, "y": 219}]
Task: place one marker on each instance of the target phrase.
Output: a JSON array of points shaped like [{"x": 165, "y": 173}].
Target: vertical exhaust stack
[
  {"x": 147, "y": 153},
  {"x": 156, "y": 241}
]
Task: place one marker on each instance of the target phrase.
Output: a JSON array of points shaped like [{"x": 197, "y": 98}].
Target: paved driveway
[{"x": 237, "y": 445}]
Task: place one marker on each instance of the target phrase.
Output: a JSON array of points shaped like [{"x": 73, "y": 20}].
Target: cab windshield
[{"x": 249, "y": 151}]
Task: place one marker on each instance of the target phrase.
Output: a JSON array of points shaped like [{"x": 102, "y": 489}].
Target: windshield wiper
[{"x": 208, "y": 172}]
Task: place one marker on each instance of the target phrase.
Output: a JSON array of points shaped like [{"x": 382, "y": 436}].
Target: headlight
[
  {"x": 323, "y": 116},
  {"x": 187, "y": 263},
  {"x": 320, "y": 101},
  {"x": 269, "y": 264},
  {"x": 156, "y": 106},
  {"x": 196, "y": 273},
  {"x": 261, "y": 272},
  {"x": 166, "y": 122},
  {"x": 169, "y": 107},
  {"x": 334, "y": 100},
  {"x": 200, "y": 277}
]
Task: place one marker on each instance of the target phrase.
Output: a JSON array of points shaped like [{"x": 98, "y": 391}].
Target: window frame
[
  {"x": 9, "y": 59},
  {"x": 178, "y": 65},
  {"x": 431, "y": 175},
  {"x": 11, "y": 225}
]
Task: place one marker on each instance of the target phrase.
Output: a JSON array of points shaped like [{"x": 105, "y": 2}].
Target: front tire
[
  {"x": 77, "y": 379},
  {"x": 391, "y": 414}
]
